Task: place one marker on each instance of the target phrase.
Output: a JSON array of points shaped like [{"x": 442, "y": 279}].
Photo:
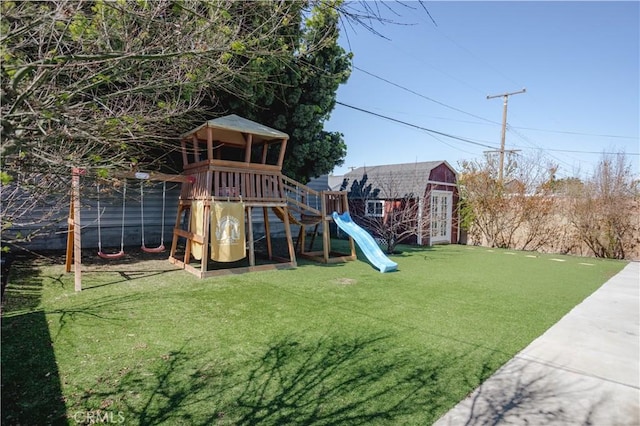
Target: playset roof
[{"x": 230, "y": 129}]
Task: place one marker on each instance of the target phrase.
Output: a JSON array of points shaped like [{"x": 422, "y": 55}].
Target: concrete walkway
[{"x": 584, "y": 370}]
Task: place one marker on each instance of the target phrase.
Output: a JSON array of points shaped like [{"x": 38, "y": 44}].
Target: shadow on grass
[
  {"x": 338, "y": 381},
  {"x": 124, "y": 276},
  {"x": 135, "y": 264},
  {"x": 31, "y": 390},
  {"x": 294, "y": 380},
  {"x": 31, "y": 387},
  {"x": 110, "y": 309},
  {"x": 333, "y": 381}
]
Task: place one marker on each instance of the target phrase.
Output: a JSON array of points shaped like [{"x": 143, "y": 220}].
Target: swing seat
[
  {"x": 108, "y": 256},
  {"x": 119, "y": 254},
  {"x": 158, "y": 249},
  {"x": 161, "y": 247}
]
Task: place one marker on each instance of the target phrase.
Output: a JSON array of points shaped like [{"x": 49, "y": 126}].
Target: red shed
[{"x": 428, "y": 190}]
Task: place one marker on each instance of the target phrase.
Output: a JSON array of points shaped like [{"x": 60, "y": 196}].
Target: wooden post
[
  {"x": 210, "y": 143},
  {"x": 177, "y": 226},
  {"x": 187, "y": 249},
  {"x": 287, "y": 231},
  {"x": 77, "y": 237},
  {"x": 326, "y": 238},
  {"x": 207, "y": 233},
  {"x": 207, "y": 219},
  {"x": 252, "y": 254},
  {"x": 185, "y": 157},
  {"x": 283, "y": 150},
  {"x": 247, "y": 154},
  {"x": 70, "y": 235}
]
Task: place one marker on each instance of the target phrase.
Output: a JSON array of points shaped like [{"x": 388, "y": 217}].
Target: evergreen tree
[{"x": 301, "y": 92}]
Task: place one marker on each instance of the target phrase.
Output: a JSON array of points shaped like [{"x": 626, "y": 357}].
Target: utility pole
[{"x": 505, "y": 97}]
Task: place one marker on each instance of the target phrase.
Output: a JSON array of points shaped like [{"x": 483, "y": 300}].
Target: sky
[{"x": 579, "y": 63}]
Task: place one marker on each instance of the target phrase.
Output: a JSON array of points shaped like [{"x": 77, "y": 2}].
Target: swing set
[
  {"x": 143, "y": 247},
  {"x": 74, "y": 243}
]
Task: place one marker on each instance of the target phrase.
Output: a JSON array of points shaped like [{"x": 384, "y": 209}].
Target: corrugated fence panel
[
  {"x": 111, "y": 213},
  {"x": 111, "y": 201}
]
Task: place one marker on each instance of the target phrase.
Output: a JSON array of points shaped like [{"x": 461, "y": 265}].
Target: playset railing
[
  {"x": 259, "y": 184},
  {"x": 309, "y": 202},
  {"x": 233, "y": 181}
]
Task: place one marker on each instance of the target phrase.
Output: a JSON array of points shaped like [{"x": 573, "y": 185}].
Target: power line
[
  {"x": 576, "y": 133},
  {"x": 461, "y": 139},
  {"x": 587, "y": 152},
  {"x": 450, "y": 145},
  {"x": 534, "y": 145},
  {"x": 416, "y": 126},
  {"x": 424, "y": 96},
  {"x": 567, "y": 132}
]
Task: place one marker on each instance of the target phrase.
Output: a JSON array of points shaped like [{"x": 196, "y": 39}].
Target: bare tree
[
  {"x": 517, "y": 212},
  {"x": 604, "y": 210}
]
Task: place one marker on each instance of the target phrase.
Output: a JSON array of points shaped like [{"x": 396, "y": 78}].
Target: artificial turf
[{"x": 319, "y": 344}]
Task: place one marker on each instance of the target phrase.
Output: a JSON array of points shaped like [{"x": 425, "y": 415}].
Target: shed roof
[
  {"x": 326, "y": 183},
  {"x": 232, "y": 125},
  {"x": 396, "y": 180}
]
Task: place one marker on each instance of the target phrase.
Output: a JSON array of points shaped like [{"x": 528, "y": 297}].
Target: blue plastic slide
[{"x": 365, "y": 241}]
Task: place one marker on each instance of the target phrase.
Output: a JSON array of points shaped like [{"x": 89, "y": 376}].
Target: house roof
[
  {"x": 325, "y": 183},
  {"x": 230, "y": 126},
  {"x": 395, "y": 180}
]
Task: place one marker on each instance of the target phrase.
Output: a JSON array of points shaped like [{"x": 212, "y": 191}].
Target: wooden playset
[
  {"x": 231, "y": 166},
  {"x": 237, "y": 161}
]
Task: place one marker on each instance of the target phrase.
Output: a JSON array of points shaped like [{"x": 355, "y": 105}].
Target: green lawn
[{"x": 320, "y": 344}]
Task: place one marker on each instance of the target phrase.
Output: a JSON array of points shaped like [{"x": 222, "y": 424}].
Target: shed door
[{"x": 441, "y": 213}]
